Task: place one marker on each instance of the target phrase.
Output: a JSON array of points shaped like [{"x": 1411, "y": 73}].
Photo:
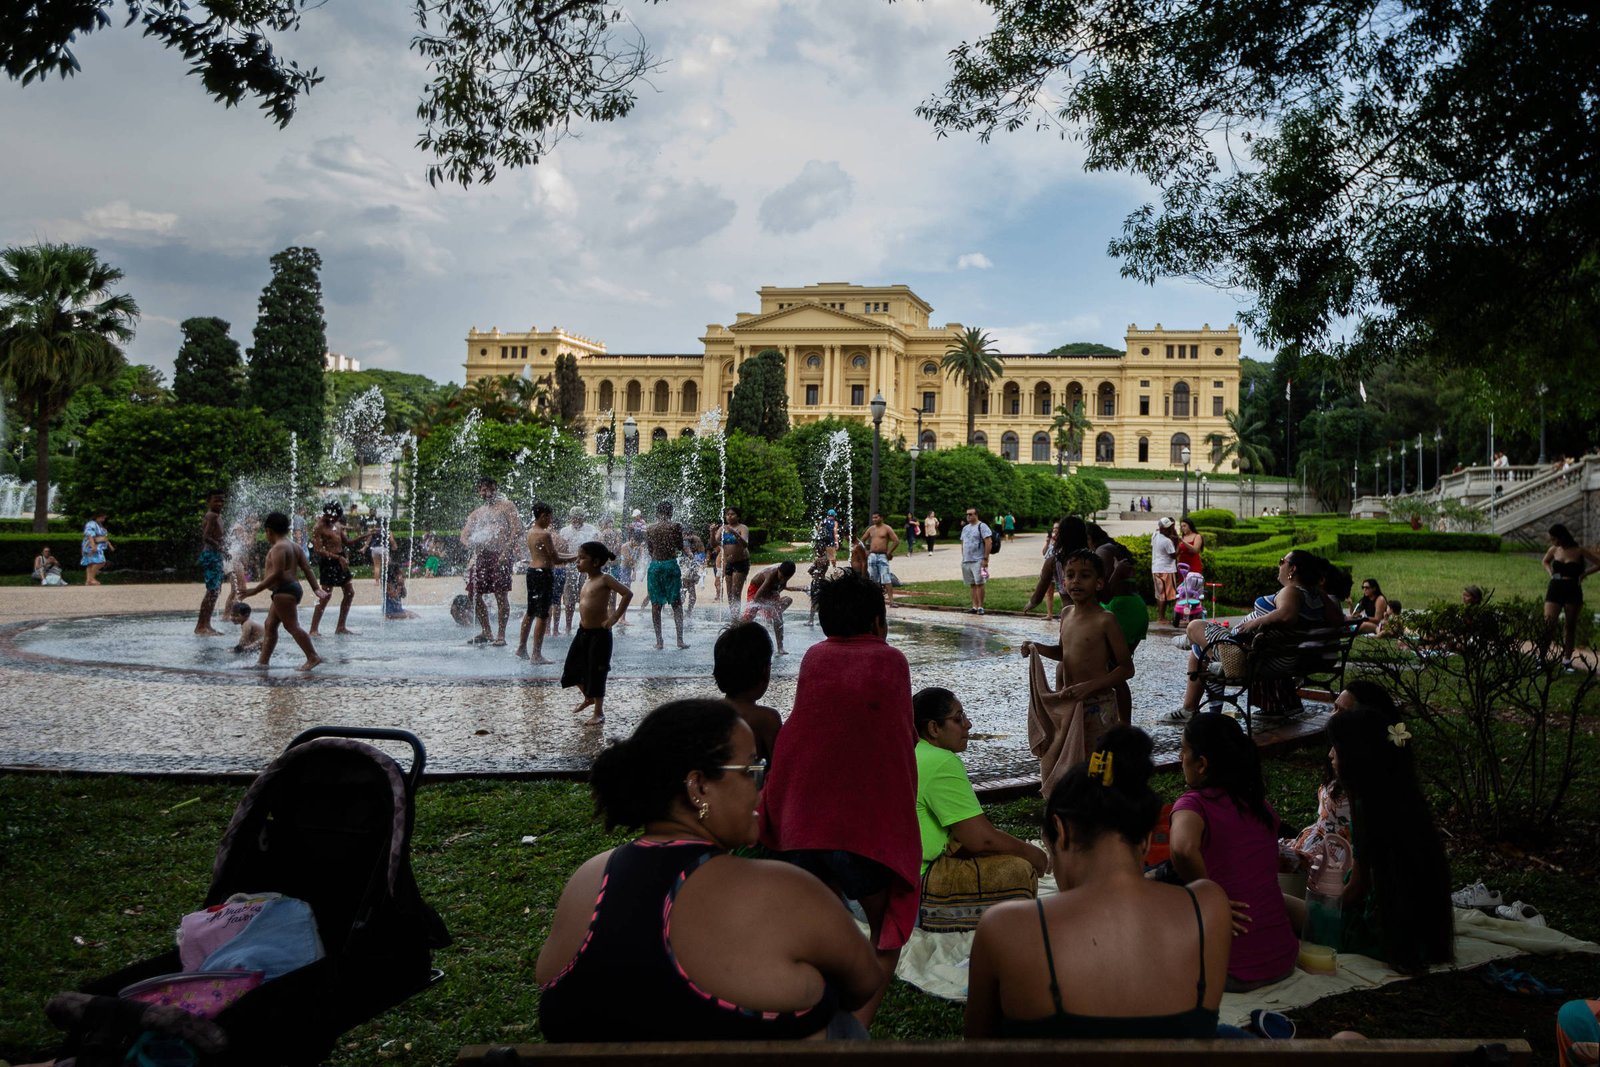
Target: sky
[{"x": 776, "y": 145}]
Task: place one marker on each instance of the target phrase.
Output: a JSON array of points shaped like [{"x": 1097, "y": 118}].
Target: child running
[
  {"x": 589, "y": 658},
  {"x": 283, "y": 560}
]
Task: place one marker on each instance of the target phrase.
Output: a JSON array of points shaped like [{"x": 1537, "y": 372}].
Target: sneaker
[
  {"x": 980, "y": 611},
  {"x": 1177, "y": 716},
  {"x": 1517, "y": 911},
  {"x": 1477, "y": 895}
]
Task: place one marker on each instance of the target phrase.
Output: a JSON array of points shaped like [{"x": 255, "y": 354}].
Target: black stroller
[{"x": 328, "y": 822}]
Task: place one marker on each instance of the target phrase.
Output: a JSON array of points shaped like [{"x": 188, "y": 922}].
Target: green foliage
[
  {"x": 807, "y": 445},
  {"x": 950, "y": 480},
  {"x": 762, "y": 482},
  {"x": 286, "y": 360},
  {"x": 531, "y": 461},
  {"x": 1219, "y": 517},
  {"x": 406, "y": 397},
  {"x": 1085, "y": 348},
  {"x": 1245, "y": 440},
  {"x": 569, "y": 391},
  {"x": 150, "y": 558},
  {"x": 209, "y": 369},
  {"x": 760, "y": 403},
  {"x": 974, "y": 361},
  {"x": 150, "y": 467},
  {"x": 1068, "y": 429}
]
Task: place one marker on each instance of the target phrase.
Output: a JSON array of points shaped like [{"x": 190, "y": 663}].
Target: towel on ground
[
  {"x": 844, "y": 771},
  {"x": 1062, "y": 731}
]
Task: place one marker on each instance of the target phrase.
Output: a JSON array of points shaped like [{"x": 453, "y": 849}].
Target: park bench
[
  {"x": 1319, "y": 661},
  {"x": 1412, "y": 1053}
]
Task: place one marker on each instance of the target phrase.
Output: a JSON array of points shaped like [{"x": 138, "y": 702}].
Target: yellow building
[{"x": 843, "y": 344}]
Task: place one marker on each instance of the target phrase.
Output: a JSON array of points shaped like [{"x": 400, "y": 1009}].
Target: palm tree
[
  {"x": 972, "y": 361},
  {"x": 1245, "y": 440},
  {"x": 1069, "y": 426},
  {"x": 61, "y": 328}
]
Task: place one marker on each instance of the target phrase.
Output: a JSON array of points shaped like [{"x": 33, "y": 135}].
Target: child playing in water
[
  {"x": 283, "y": 561},
  {"x": 819, "y": 574},
  {"x": 589, "y": 658},
  {"x": 249, "y": 632},
  {"x": 742, "y": 668},
  {"x": 394, "y": 596}
]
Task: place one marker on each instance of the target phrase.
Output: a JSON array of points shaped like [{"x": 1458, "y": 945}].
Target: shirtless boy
[
  {"x": 589, "y": 658},
  {"x": 211, "y": 561},
  {"x": 541, "y": 578},
  {"x": 490, "y": 534},
  {"x": 731, "y": 542},
  {"x": 881, "y": 542},
  {"x": 664, "y": 580},
  {"x": 765, "y": 601},
  {"x": 283, "y": 560},
  {"x": 249, "y": 632},
  {"x": 1093, "y": 653},
  {"x": 742, "y": 669},
  {"x": 330, "y": 541}
]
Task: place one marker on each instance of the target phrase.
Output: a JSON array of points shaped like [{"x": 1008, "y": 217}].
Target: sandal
[{"x": 1518, "y": 983}]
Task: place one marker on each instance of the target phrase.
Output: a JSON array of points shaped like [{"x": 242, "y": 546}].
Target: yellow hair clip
[{"x": 1100, "y": 767}]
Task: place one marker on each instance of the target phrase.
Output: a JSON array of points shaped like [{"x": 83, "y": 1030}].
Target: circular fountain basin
[{"x": 143, "y": 694}]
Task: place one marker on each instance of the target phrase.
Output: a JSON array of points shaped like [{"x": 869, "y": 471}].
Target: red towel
[{"x": 844, "y": 771}]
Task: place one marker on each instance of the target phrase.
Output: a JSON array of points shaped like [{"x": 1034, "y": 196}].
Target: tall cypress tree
[
  {"x": 209, "y": 369},
  {"x": 286, "y": 361},
  {"x": 760, "y": 402},
  {"x": 569, "y": 391}
]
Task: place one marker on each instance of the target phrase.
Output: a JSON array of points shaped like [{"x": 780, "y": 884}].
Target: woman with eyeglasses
[
  {"x": 1371, "y": 609},
  {"x": 670, "y": 938}
]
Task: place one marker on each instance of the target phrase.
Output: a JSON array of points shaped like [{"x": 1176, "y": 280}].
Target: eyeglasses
[
  {"x": 757, "y": 770},
  {"x": 1282, "y": 561}
]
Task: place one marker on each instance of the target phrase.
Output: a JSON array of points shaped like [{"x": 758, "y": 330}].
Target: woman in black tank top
[
  {"x": 670, "y": 938},
  {"x": 1568, "y": 564}
]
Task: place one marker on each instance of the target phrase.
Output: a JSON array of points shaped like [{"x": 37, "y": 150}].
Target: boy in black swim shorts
[{"x": 589, "y": 658}]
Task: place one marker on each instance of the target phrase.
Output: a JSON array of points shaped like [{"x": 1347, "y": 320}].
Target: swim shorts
[
  {"x": 211, "y": 569},
  {"x": 541, "y": 592},
  {"x": 665, "y": 581},
  {"x": 490, "y": 573},
  {"x": 333, "y": 571},
  {"x": 588, "y": 661},
  {"x": 878, "y": 567}
]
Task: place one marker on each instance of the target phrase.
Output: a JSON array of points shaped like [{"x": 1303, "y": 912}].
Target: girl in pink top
[{"x": 1224, "y": 829}]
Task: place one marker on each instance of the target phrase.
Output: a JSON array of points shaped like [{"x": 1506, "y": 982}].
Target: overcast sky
[{"x": 776, "y": 146}]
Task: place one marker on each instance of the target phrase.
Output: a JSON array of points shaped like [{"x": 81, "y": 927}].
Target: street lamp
[
  {"x": 1438, "y": 450},
  {"x": 1419, "y": 461},
  {"x": 878, "y": 405},
  {"x": 1204, "y": 496},
  {"x": 1388, "y": 467},
  {"x": 916, "y": 450},
  {"x": 1184, "y": 455},
  {"x": 1402, "y": 468},
  {"x": 630, "y": 442},
  {"x": 1541, "y": 391}
]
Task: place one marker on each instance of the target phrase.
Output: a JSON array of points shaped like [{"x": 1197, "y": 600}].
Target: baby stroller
[
  {"x": 329, "y": 822},
  {"x": 1191, "y": 603}
]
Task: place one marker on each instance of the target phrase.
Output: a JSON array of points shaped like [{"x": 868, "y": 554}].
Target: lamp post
[
  {"x": 1419, "y": 461},
  {"x": 630, "y": 442},
  {"x": 1438, "y": 449},
  {"x": 1184, "y": 455},
  {"x": 1205, "y": 492},
  {"x": 1541, "y": 391},
  {"x": 1402, "y": 468},
  {"x": 1252, "y": 495},
  {"x": 1388, "y": 468},
  {"x": 878, "y": 405},
  {"x": 916, "y": 451}
]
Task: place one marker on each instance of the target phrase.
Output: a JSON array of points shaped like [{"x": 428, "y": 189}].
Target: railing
[
  {"x": 1478, "y": 483},
  {"x": 1516, "y": 506}
]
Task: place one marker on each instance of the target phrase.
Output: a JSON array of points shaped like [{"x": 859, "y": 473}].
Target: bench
[
  {"x": 1433, "y": 1053},
  {"x": 1319, "y": 660}
]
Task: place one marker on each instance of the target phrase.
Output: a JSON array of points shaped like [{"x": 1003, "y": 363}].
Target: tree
[
  {"x": 407, "y": 398},
  {"x": 1069, "y": 426},
  {"x": 1085, "y": 348},
  {"x": 1408, "y": 181},
  {"x": 569, "y": 391},
  {"x": 1245, "y": 440},
  {"x": 209, "y": 369},
  {"x": 291, "y": 343},
  {"x": 760, "y": 403},
  {"x": 509, "y": 77},
  {"x": 61, "y": 328},
  {"x": 973, "y": 361}
]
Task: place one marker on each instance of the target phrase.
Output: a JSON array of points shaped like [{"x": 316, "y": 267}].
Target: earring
[{"x": 703, "y": 809}]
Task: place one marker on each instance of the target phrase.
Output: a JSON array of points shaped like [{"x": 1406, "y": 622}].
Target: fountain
[{"x": 836, "y": 468}]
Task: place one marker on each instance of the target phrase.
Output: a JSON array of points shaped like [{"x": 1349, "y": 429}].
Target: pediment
[{"x": 810, "y": 317}]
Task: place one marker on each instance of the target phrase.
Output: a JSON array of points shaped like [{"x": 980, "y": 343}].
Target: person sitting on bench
[
  {"x": 1372, "y": 609},
  {"x": 670, "y": 938},
  {"x": 1113, "y": 955}
]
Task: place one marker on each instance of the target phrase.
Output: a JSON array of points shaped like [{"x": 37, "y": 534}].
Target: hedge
[
  {"x": 152, "y": 556},
  {"x": 26, "y": 526},
  {"x": 1219, "y": 538},
  {"x": 1220, "y": 518}
]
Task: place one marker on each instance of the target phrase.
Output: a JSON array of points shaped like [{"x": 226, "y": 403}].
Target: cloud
[
  {"x": 667, "y": 214},
  {"x": 821, "y": 190},
  {"x": 975, "y": 261},
  {"x": 1023, "y": 337}
]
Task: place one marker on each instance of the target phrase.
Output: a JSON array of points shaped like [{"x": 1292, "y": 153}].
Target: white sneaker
[
  {"x": 1517, "y": 911},
  {"x": 1477, "y": 895},
  {"x": 1176, "y": 717}
]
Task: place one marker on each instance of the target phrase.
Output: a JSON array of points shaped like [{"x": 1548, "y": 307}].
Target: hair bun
[{"x": 1131, "y": 750}]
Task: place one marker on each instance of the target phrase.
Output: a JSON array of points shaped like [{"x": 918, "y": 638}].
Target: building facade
[{"x": 843, "y": 344}]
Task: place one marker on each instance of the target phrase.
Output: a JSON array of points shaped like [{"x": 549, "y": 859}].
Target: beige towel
[{"x": 1062, "y": 732}]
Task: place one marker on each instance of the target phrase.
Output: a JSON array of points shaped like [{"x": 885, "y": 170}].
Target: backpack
[{"x": 994, "y": 541}]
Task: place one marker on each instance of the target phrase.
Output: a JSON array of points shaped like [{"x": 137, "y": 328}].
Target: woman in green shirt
[{"x": 967, "y": 864}]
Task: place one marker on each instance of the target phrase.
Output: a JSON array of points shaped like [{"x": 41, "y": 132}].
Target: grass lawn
[{"x": 99, "y": 869}]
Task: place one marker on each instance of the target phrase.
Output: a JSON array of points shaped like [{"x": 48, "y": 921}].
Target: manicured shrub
[
  {"x": 152, "y": 558},
  {"x": 1221, "y": 518}
]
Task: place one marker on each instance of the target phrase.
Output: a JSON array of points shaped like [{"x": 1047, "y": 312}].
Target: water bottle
[{"x": 1331, "y": 863}]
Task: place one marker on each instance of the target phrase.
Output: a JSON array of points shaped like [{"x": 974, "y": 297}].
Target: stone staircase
[{"x": 1523, "y": 511}]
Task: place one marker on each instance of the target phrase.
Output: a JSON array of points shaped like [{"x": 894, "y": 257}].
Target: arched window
[
  {"x": 608, "y": 400},
  {"x": 983, "y": 400},
  {"x": 1180, "y": 400},
  {"x": 1041, "y": 447},
  {"x": 663, "y": 398},
  {"x": 635, "y": 397},
  {"x": 1108, "y": 400},
  {"x": 1008, "y": 446},
  {"x": 980, "y": 439},
  {"x": 1011, "y": 399},
  {"x": 813, "y": 361},
  {"x": 1216, "y": 449},
  {"x": 1074, "y": 397},
  {"x": 930, "y": 441},
  {"x": 657, "y": 436},
  {"x": 1144, "y": 450},
  {"x": 1105, "y": 449},
  {"x": 1041, "y": 398},
  {"x": 686, "y": 432},
  {"x": 859, "y": 362},
  {"x": 1180, "y": 441},
  {"x": 930, "y": 368},
  {"x": 691, "y": 398}
]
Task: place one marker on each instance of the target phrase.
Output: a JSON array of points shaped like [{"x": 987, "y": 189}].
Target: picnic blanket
[{"x": 937, "y": 963}]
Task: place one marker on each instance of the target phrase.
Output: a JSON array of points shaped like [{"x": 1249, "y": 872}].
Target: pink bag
[
  {"x": 200, "y": 933},
  {"x": 201, "y": 993}
]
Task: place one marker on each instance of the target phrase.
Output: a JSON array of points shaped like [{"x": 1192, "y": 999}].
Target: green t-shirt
[{"x": 944, "y": 798}]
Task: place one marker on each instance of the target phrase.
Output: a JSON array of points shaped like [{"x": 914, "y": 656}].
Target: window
[
  {"x": 1041, "y": 399},
  {"x": 691, "y": 398},
  {"x": 1216, "y": 385},
  {"x": 635, "y": 397},
  {"x": 658, "y": 436},
  {"x": 1216, "y": 449},
  {"x": 859, "y": 362},
  {"x": 483, "y": 351},
  {"x": 607, "y": 400},
  {"x": 983, "y": 401},
  {"x": 927, "y": 401},
  {"x": 542, "y": 351},
  {"x": 1216, "y": 405},
  {"x": 1183, "y": 351},
  {"x": 663, "y": 397},
  {"x": 1169, "y": 351},
  {"x": 1105, "y": 449},
  {"x": 811, "y": 396},
  {"x": 1180, "y": 441},
  {"x": 503, "y": 352},
  {"x": 1144, "y": 450},
  {"x": 813, "y": 361},
  {"x": 525, "y": 351},
  {"x": 980, "y": 439},
  {"x": 858, "y": 395},
  {"x": 1041, "y": 448},
  {"x": 1144, "y": 352},
  {"x": 1216, "y": 351},
  {"x": 930, "y": 440},
  {"x": 687, "y": 431},
  {"x": 1144, "y": 405},
  {"x": 1180, "y": 400},
  {"x": 1008, "y": 446},
  {"x": 1011, "y": 401},
  {"x": 930, "y": 368},
  {"x": 1144, "y": 384},
  {"x": 1108, "y": 400}
]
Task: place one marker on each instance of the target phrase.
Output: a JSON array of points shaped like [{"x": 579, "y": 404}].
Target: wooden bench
[
  {"x": 1320, "y": 658},
  {"x": 1412, "y": 1053}
]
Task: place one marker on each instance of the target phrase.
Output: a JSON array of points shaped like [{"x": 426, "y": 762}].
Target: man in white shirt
[
  {"x": 574, "y": 534},
  {"x": 975, "y": 536},
  {"x": 1164, "y": 565}
]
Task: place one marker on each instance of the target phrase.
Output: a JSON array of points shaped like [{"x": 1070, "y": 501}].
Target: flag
[
  {"x": 1363, "y": 387},
  {"x": 1288, "y": 388},
  {"x": 1252, "y": 392}
]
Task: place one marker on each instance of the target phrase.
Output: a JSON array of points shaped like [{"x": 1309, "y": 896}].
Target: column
[{"x": 791, "y": 376}]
